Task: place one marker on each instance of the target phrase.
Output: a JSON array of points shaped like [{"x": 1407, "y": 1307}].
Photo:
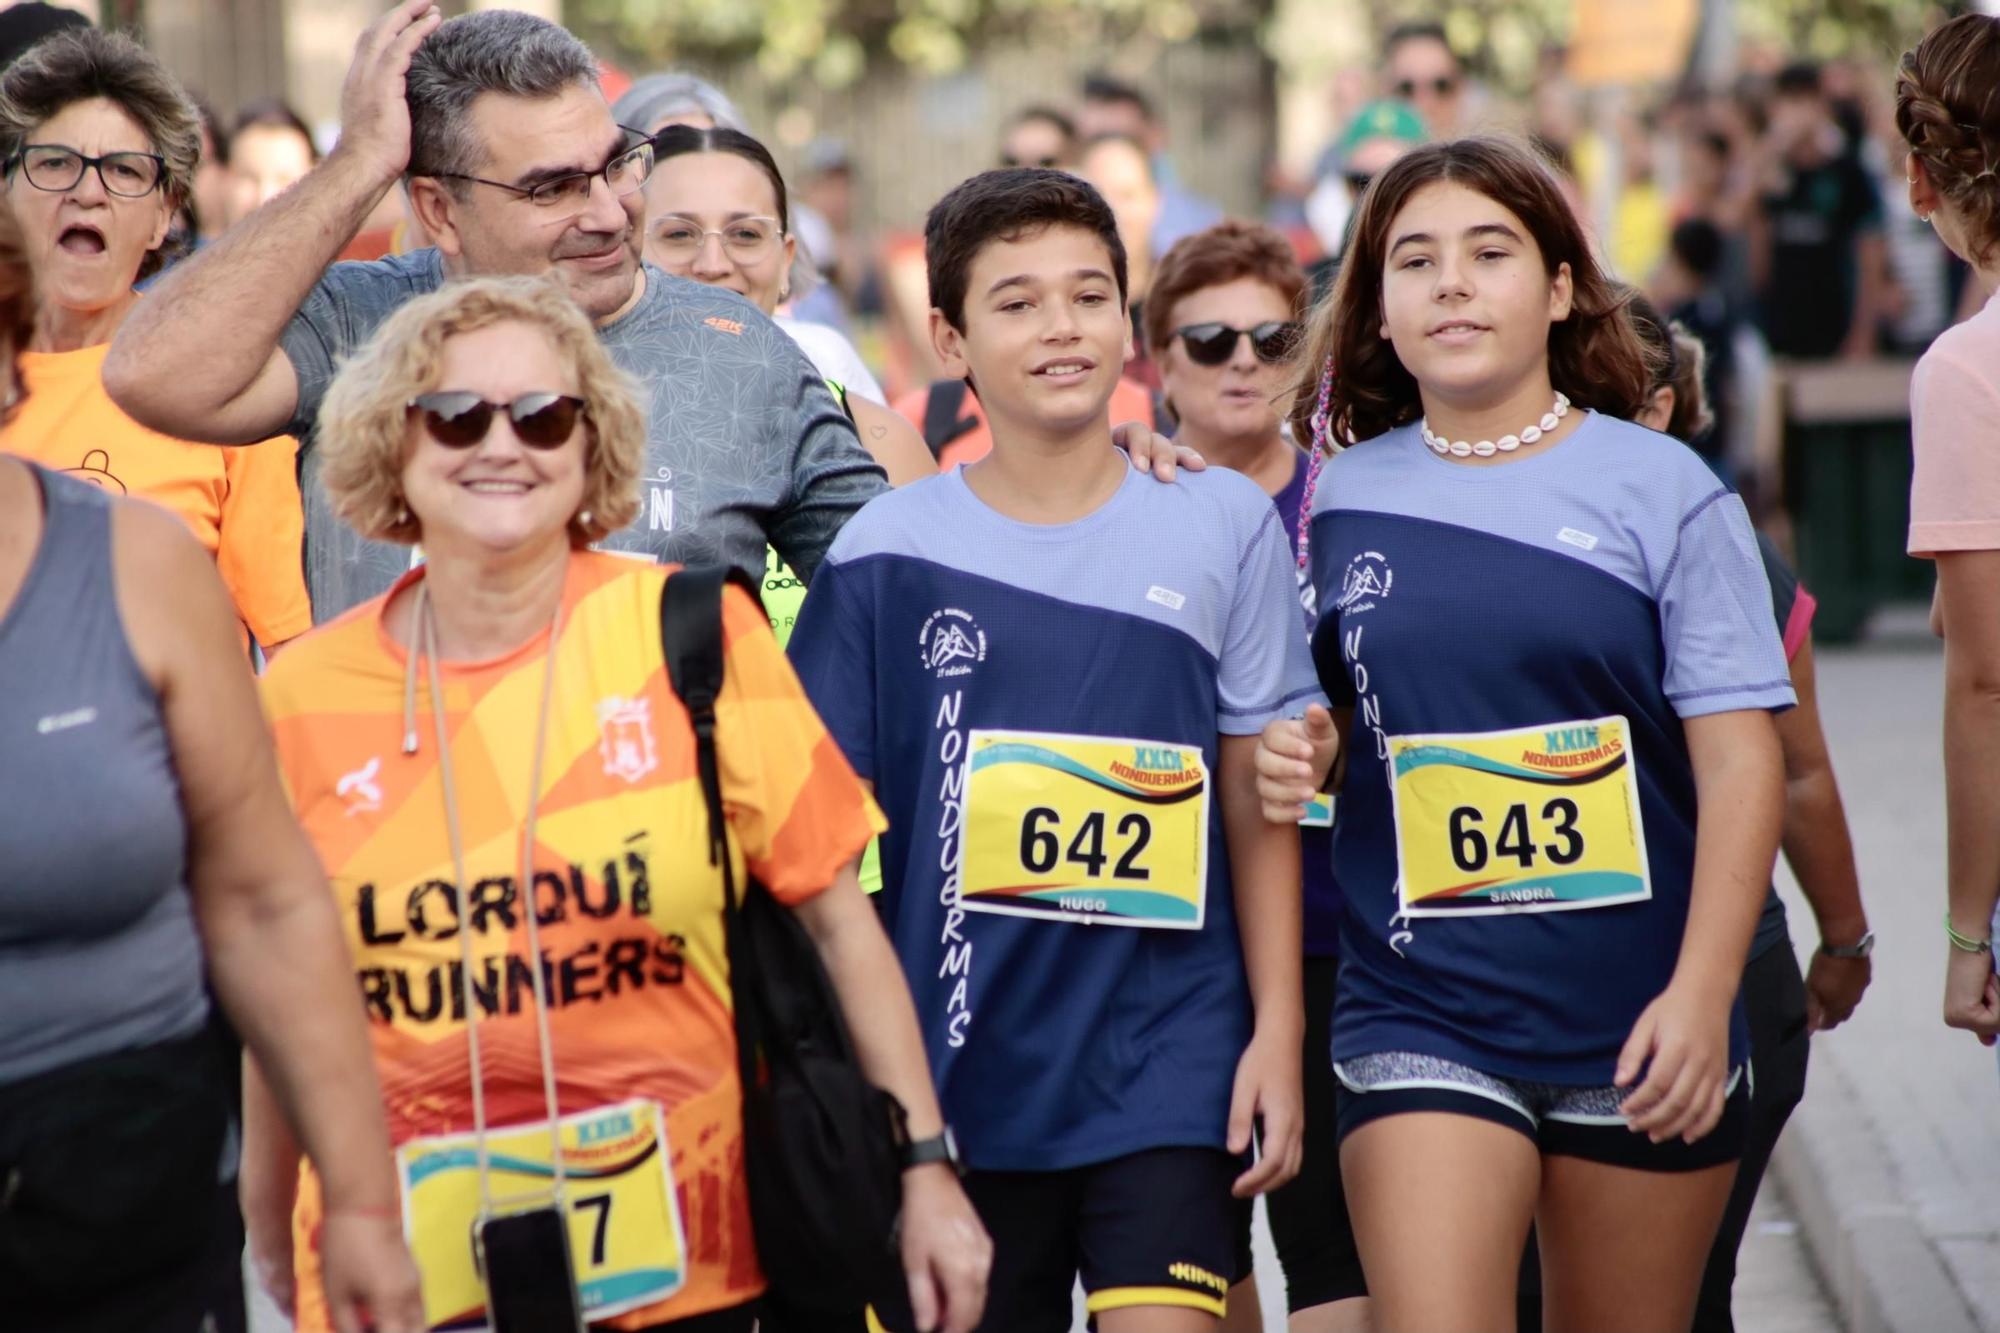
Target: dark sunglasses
[
  {"x": 1213, "y": 344},
  {"x": 1442, "y": 87},
  {"x": 458, "y": 420}
]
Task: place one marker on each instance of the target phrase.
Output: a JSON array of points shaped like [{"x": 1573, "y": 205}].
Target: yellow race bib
[
  {"x": 1542, "y": 819},
  {"x": 624, "y": 1216},
  {"x": 1089, "y": 829}
]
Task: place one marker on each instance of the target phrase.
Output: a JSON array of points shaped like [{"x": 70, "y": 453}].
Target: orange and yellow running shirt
[
  {"x": 629, "y": 909},
  {"x": 242, "y": 503}
]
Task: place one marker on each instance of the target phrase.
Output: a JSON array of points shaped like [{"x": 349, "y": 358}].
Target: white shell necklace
[{"x": 1506, "y": 444}]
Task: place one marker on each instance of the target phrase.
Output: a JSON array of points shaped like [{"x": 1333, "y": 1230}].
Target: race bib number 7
[
  {"x": 1089, "y": 829},
  {"x": 1542, "y": 819},
  {"x": 624, "y": 1216}
]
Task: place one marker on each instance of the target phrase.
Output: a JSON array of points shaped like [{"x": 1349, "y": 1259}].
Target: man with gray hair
[{"x": 514, "y": 166}]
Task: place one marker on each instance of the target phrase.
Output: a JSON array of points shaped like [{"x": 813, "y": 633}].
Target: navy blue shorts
[
  {"x": 1153, "y": 1228},
  {"x": 1562, "y": 1120}
]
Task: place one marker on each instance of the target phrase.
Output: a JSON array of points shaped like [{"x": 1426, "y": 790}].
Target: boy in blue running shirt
[{"x": 1054, "y": 670}]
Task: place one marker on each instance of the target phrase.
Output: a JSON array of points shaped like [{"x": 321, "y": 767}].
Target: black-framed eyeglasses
[
  {"x": 625, "y": 173},
  {"x": 56, "y": 167},
  {"x": 1443, "y": 86},
  {"x": 1214, "y": 343},
  {"x": 459, "y": 419}
]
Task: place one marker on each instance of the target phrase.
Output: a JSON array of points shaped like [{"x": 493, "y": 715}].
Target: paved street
[
  {"x": 1777, "y": 1290},
  {"x": 1884, "y": 1210},
  {"x": 1893, "y": 1163}
]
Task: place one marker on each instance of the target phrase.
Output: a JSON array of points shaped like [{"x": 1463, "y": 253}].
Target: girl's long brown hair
[{"x": 1594, "y": 356}]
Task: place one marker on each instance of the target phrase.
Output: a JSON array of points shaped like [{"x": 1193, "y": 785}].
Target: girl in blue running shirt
[{"x": 1548, "y": 640}]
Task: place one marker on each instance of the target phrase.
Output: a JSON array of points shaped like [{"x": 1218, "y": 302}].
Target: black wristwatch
[
  {"x": 1860, "y": 949},
  {"x": 940, "y": 1147}
]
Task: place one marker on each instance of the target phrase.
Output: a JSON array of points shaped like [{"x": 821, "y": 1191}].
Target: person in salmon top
[
  {"x": 1947, "y": 113},
  {"x": 493, "y": 766},
  {"x": 105, "y": 146}
]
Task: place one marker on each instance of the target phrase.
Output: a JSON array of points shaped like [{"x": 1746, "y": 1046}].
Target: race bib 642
[{"x": 1090, "y": 829}]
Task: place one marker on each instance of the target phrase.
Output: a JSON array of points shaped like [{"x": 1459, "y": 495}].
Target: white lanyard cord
[{"x": 427, "y": 649}]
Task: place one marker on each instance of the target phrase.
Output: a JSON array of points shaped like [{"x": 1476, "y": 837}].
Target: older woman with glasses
[
  {"x": 501, "y": 782},
  {"x": 1223, "y": 326},
  {"x": 106, "y": 149}
]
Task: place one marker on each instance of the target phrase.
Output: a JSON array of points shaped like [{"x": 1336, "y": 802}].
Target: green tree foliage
[
  {"x": 1873, "y": 30},
  {"x": 833, "y": 42}
]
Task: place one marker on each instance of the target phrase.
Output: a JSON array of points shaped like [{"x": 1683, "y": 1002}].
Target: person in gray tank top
[
  {"x": 147, "y": 850},
  {"x": 86, "y": 735}
]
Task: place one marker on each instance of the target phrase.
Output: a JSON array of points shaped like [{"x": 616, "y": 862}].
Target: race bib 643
[{"x": 1541, "y": 819}]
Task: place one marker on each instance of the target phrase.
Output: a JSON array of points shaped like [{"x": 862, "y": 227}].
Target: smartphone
[{"x": 530, "y": 1280}]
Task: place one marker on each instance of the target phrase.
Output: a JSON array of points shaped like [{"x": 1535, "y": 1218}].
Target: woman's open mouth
[{"x": 81, "y": 239}]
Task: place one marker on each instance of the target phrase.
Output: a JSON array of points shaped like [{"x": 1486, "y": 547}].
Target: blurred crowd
[{"x": 1765, "y": 216}]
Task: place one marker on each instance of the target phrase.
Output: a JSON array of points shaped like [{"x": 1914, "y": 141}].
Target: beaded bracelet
[{"x": 1965, "y": 943}]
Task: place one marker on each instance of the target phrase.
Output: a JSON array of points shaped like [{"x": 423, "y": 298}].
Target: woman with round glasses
[
  {"x": 717, "y": 211},
  {"x": 502, "y": 785},
  {"x": 106, "y": 147},
  {"x": 1222, "y": 321}
]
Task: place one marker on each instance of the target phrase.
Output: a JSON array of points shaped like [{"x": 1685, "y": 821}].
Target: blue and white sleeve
[
  {"x": 1722, "y": 647},
  {"x": 1266, "y": 671},
  {"x": 833, "y": 650}
]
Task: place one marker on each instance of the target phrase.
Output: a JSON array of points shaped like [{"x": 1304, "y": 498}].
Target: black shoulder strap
[
  {"x": 691, "y": 640},
  {"x": 942, "y": 422}
]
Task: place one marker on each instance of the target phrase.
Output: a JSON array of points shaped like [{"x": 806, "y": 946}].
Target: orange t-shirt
[
  {"x": 630, "y": 911},
  {"x": 242, "y": 503},
  {"x": 1130, "y": 401}
]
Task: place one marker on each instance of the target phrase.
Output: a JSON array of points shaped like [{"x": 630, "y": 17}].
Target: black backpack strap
[
  {"x": 942, "y": 422},
  {"x": 691, "y": 641}
]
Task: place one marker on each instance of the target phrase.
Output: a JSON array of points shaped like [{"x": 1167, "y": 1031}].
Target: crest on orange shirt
[{"x": 625, "y": 738}]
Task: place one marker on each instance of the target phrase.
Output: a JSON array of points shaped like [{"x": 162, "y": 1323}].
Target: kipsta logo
[
  {"x": 951, "y": 643},
  {"x": 1366, "y": 582}
]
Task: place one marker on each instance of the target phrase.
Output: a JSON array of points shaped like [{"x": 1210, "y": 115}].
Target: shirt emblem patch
[
  {"x": 625, "y": 738},
  {"x": 951, "y": 642},
  {"x": 359, "y": 789},
  {"x": 1366, "y": 581}
]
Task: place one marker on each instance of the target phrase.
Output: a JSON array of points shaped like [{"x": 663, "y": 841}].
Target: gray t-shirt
[{"x": 745, "y": 445}]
